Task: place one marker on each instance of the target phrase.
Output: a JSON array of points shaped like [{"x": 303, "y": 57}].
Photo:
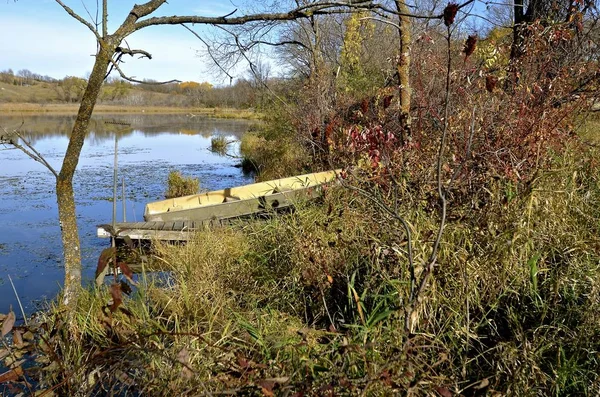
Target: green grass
[{"x": 313, "y": 300}]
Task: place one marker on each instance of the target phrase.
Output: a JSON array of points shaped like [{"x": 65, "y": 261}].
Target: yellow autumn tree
[{"x": 354, "y": 74}]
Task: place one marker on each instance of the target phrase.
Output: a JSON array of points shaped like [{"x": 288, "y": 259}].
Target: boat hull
[{"x": 240, "y": 201}]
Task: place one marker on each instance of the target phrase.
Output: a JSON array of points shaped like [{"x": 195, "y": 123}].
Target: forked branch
[
  {"x": 80, "y": 19},
  {"x": 115, "y": 65},
  {"x": 9, "y": 139}
]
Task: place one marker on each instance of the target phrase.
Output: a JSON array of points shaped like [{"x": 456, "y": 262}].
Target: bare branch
[
  {"x": 277, "y": 44},
  {"x": 148, "y": 8},
  {"x": 468, "y": 153},
  {"x": 417, "y": 16},
  {"x": 134, "y": 80},
  {"x": 209, "y": 50},
  {"x": 28, "y": 149},
  {"x": 128, "y": 51},
  {"x": 300, "y": 12},
  {"x": 80, "y": 19},
  {"x": 104, "y": 18},
  {"x": 428, "y": 269},
  {"x": 394, "y": 214},
  {"x": 88, "y": 13},
  {"x": 382, "y": 20}
]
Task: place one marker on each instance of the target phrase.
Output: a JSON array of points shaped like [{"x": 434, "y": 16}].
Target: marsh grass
[
  {"x": 218, "y": 145},
  {"x": 179, "y": 185},
  {"x": 312, "y": 301},
  {"x": 271, "y": 150}
]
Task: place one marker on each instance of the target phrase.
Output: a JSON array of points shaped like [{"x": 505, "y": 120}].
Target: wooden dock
[
  {"x": 177, "y": 219},
  {"x": 165, "y": 231}
]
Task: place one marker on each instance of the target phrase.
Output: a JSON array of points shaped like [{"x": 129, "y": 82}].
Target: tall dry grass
[{"x": 312, "y": 301}]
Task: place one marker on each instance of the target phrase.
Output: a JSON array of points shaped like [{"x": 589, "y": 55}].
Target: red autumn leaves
[{"x": 450, "y": 13}]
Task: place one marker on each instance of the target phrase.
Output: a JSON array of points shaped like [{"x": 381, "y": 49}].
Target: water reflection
[
  {"x": 30, "y": 249},
  {"x": 104, "y": 126}
]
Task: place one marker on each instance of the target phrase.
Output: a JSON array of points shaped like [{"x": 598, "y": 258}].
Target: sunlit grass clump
[
  {"x": 179, "y": 185},
  {"x": 218, "y": 144}
]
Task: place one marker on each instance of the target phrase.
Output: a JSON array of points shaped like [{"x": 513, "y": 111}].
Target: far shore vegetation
[{"x": 26, "y": 92}]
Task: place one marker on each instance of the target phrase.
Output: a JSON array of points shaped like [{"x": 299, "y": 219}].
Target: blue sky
[{"x": 40, "y": 36}]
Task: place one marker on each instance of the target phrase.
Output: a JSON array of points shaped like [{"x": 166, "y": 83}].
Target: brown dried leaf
[
  {"x": 490, "y": 83},
  {"x": 483, "y": 384},
  {"x": 242, "y": 362},
  {"x": 450, "y": 13},
  {"x": 443, "y": 391},
  {"x": 117, "y": 296},
  {"x": 126, "y": 288},
  {"x": 184, "y": 358},
  {"x": 387, "y": 101},
  {"x": 126, "y": 270},
  {"x": 9, "y": 323},
  {"x": 266, "y": 386},
  {"x": 11, "y": 376},
  {"x": 106, "y": 256},
  {"x": 17, "y": 338}
]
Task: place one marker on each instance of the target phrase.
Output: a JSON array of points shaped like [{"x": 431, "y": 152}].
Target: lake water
[{"x": 154, "y": 145}]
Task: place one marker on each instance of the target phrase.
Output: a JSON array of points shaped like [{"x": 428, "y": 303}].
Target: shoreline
[{"x": 67, "y": 109}]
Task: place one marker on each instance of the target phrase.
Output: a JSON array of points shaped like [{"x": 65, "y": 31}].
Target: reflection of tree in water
[{"x": 36, "y": 127}]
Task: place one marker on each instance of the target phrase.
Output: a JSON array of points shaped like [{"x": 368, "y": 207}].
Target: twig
[
  {"x": 393, "y": 214},
  {"x": 29, "y": 151},
  {"x": 80, "y": 19},
  {"x": 442, "y": 196},
  {"x": 208, "y": 49},
  {"x": 134, "y": 80},
  {"x": 468, "y": 153},
  {"x": 18, "y": 300}
]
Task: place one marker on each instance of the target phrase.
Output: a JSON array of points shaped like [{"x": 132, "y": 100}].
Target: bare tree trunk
[
  {"x": 519, "y": 20},
  {"x": 403, "y": 69},
  {"x": 64, "y": 182}
]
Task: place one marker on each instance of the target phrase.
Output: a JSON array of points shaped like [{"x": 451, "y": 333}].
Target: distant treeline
[
  {"x": 23, "y": 77},
  {"x": 244, "y": 93}
]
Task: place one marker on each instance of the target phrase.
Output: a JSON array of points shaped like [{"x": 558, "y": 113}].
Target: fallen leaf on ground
[
  {"x": 8, "y": 324},
  {"x": 12, "y": 375}
]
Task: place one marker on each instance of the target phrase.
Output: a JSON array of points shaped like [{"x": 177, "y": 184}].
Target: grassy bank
[
  {"x": 272, "y": 150},
  {"x": 224, "y": 113},
  {"x": 314, "y": 302}
]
